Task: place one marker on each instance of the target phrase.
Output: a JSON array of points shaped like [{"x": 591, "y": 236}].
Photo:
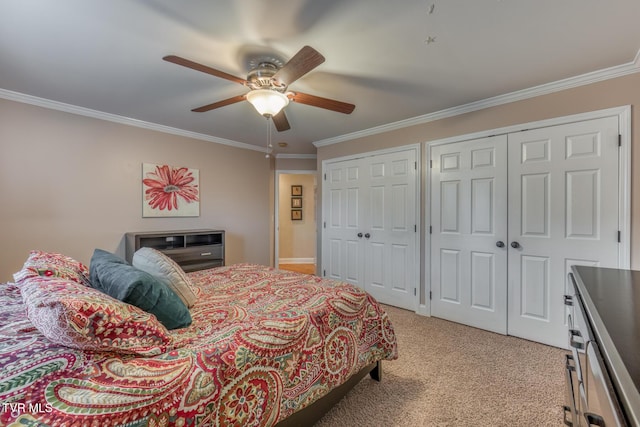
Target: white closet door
[
  {"x": 563, "y": 199},
  {"x": 469, "y": 232},
  {"x": 342, "y": 250},
  {"x": 563, "y": 210},
  {"x": 390, "y": 230},
  {"x": 370, "y": 234}
]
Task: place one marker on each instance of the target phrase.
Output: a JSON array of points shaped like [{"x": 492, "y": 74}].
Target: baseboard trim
[{"x": 296, "y": 260}]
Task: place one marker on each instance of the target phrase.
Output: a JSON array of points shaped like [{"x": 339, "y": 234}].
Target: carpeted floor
[{"x": 454, "y": 375}]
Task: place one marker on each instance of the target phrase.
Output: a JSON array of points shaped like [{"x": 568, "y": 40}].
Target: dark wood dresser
[{"x": 191, "y": 249}]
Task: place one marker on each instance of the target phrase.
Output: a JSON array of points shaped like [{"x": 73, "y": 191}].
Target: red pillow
[{"x": 51, "y": 264}]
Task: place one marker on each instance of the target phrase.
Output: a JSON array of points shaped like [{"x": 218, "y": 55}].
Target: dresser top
[
  {"x": 612, "y": 301},
  {"x": 173, "y": 232}
]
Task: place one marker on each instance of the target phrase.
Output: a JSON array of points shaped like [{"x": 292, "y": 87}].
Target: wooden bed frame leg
[{"x": 376, "y": 372}]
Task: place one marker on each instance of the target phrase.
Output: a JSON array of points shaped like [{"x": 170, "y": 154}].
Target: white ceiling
[{"x": 107, "y": 56}]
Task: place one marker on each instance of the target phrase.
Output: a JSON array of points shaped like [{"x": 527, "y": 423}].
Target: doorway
[{"x": 295, "y": 221}]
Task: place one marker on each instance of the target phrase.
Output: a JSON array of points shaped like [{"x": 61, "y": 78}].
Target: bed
[{"x": 265, "y": 347}]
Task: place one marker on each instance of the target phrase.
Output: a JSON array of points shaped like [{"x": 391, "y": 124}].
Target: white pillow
[{"x": 164, "y": 268}]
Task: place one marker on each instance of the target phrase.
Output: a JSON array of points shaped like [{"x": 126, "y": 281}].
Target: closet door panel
[
  {"x": 535, "y": 211},
  {"x": 483, "y": 281},
  {"x": 341, "y": 249},
  {"x": 390, "y": 248},
  {"x": 469, "y": 218},
  {"x": 563, "y": 212}
]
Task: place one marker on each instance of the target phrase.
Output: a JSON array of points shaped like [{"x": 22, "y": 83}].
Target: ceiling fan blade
[
  {"x": 281, "y": 122},
  {"x": 219, "y": 104},
  {"x": 326, "y": 103},
  {"x": 203, "y": 68},
  {"x": 302, "y": 62}
]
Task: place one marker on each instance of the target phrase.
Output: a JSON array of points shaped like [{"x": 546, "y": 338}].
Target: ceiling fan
[{"x": 268, "y": 83}]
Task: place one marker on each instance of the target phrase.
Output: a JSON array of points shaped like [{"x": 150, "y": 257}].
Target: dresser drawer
[
  {"x": 198, "y": 264},
  {"x": 202, "y": 253},
  {"x": 602, "y": 407}
]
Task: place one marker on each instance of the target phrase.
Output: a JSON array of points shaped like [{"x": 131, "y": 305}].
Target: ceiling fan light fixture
[{"x": 267, "y": 102}]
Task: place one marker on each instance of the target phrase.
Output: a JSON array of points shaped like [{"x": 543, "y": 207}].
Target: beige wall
[
  {"x": 296, "y": 164},
  {"x": 70, "y": 184},
  {"x": 607, "y": 94},
  {"x": 297, "y": 239}
]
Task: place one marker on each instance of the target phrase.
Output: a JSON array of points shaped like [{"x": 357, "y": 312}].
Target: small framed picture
[
  {"x": 296, "y": 214},
  {"x": 296, "y": 202},
  {"x": 296, "y": 190}
]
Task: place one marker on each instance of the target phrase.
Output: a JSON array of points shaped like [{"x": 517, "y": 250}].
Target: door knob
[
  {"x": 367, "y": 235},
  {"x": 360, "y": 235},
  {"x": 515, "y": 245},
  {"x": 500, "y": 244}
]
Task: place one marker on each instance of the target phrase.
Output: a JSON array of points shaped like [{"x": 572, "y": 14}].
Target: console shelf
[{"x": 191, "y": 249}]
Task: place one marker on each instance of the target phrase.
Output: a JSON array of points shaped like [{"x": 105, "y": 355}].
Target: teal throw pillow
[{"x": 115, "y": 277}]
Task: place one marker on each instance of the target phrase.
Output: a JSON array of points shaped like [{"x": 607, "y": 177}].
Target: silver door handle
[
  {"x": 359, "y": 235},
  {"x": 566, "y": 409},
  {"x": 500, "y": 244},
  {"x": 575, "y": 339},
  {"x": 593, "y": 419},
  {"x": 515, "y": 245},
  {"x": 367, "y": 235},
  {"x": 569, "y": 369}
]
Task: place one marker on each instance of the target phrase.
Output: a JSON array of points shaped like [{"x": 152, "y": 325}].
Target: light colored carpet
[{"x": 454, "y": 375}]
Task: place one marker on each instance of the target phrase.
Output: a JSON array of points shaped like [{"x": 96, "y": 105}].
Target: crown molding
[
  {"x": 568, "y": 83},
  {"x": 74, "y": 109}
]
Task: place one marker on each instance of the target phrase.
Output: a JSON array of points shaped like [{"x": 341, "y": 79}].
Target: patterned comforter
[{"x": 263, "y": 344}]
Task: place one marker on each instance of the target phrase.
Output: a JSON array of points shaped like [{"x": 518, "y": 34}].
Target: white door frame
[
  {"x": 276, "y": 209},
  {"x": 418, "y": 256},
  {"x": 623, "y": 114}
]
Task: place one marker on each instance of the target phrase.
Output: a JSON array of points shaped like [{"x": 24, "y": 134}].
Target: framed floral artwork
[
  {"x": 296, "y": 190},
  {"x": 296, "y": 202},
  {"x": 169, "y": 191},
  {"x": 296, "y": 214}
]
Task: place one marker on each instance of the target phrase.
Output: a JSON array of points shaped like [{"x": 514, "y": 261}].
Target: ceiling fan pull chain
[{"x": 269, "y": 145}]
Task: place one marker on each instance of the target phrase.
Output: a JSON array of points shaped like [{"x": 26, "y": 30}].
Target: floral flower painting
[{"x": 169, "y": 191}]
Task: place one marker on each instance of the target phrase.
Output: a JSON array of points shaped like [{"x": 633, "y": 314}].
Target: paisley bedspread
[{"x": 263, "y": 344}]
